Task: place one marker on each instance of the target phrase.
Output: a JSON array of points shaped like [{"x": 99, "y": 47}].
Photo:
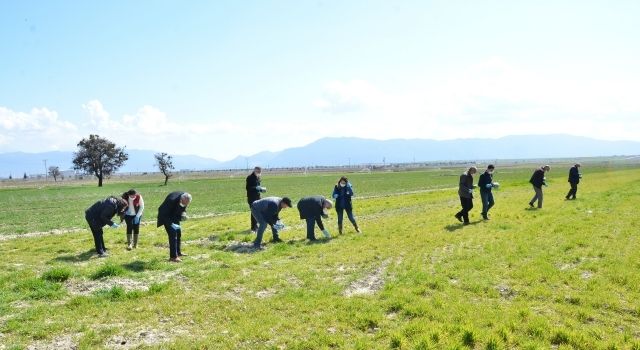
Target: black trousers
[
  {"x": 254, "y": 222},
  {"x": 467, "y": 205},
  {"x": 98, "y": 238},
  {"x": 131, "y": 227},
  {"x": 311, "y": 224},
  {"x": 174, "y": 241},
  {"x": 573, "y": 191}
]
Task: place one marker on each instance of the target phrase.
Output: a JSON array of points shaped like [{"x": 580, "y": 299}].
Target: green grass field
[{"x": 564, "y": 277}]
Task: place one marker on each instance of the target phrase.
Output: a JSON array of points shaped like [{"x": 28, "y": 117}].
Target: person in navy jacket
[
  {"x": 254, "y": 189},
  {"x": 170, "y": 213},
  {"x": 538, "y": 180},
  {"x": 313, "y": 209},
  {"x": 342, "y": 193},
  {"x": 101, "y": 213},
  {"x": 267, "y": 212},
  {"x": 574, "y": 180},
  {"x": 485, "y": 183}
]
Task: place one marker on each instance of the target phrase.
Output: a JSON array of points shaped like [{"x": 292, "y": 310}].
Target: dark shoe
[
  {"x": 312, "y": 239},
  {"x": 466, "y": 223},
  {"x": 531, "y": 204},
  {"x": 485, "y": 217},
  {"x": 175, "y": 260},
  {"x": 103, "y": 255},
  {"x": 277, "y": 240},
  {"x": 182, "y": 254},
  {"x": 459, "y": 217}
]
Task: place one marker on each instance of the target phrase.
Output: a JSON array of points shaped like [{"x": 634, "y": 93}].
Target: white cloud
[{"x": 29, "y": 131}]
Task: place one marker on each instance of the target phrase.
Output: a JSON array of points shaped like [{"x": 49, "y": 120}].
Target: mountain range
[{"x": 352, "y": 151}]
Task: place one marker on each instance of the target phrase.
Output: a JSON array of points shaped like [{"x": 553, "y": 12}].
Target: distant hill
[{"x": 344, "y": 151}]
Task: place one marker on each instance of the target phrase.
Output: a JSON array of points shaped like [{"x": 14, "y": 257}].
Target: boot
[
  {"x": 135, "y": 241},
  {"x": 340, "y": 229},
  {"x": 129, "y": 241},
  {"x": 357, "y": 228}
]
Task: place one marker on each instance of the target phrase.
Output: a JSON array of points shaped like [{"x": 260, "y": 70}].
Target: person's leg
[
  {"x": 178, "y": 242},
  {"x": 484, "y": 197},
  {"x": 540, "y": 195},
  {"x": 465, "y": 209},
  {"x": 340, "y": 215},
  {"x": 129, "y": 221},
  {"x": 274, "y": 233},
  {"x": 490, "y": 201},
  {"x": 459, "y": 213},
  {"x": 535, "y": 196},
  {"x": 311, "y": 223},
  {"x": 262, "y": 226},
  {"x": 136, "y": 232},
  {"x": 353, "y": 219},
  {"x": 95, "y": 231},
  {"x": 172, "y": 236},
  {"x": 574, "y": 188},
  {"x": 254, "y": 222}
]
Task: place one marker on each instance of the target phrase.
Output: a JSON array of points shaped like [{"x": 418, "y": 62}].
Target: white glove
[
  {"x": 175, "y": 226},
  {"x": 495, "y": 185},
  {"x": 115, "y": 225},
  {"x": 488, "y": 185},
  {"x": 470, "y": 190},
  {"x": 326, "y": 233}
]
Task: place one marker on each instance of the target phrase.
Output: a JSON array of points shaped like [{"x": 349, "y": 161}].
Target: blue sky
[{"x": 222, "y": 78}]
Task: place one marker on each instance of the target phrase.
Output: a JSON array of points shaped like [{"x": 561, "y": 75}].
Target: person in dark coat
[
  {"x": 486, "y": 184},
  {"x": 170, "y": 213},
  {"x": 254, "y": 189},
  {"x": 100, "y": 214},
  {"x": 267, "y": 212},
  {"x": 465, "y": 191},
  {"x": 574, "y": 180},
  {"x": 342, "y": 193},
  {"x": 313, "y": 209},
  {"x": 538, "y": 180}
]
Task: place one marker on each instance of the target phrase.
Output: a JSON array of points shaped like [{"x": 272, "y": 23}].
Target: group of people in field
[
  {"x": 264, "y": 212},
  {"x": 486, "y": 185}
]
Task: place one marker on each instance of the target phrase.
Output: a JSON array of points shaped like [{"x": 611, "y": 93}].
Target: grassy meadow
[{"x": 563, "y": 277}]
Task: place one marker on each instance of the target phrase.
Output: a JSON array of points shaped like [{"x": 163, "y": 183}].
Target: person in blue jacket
[
  {"x": 101, "y": 213},
  {"x": 266, "y": 211},
  {"x": 486, "y": 184},
  {"x": 574, "y": 180},
  {"x": 170, "y": 213},
  {"x": 342, "y": 193}
]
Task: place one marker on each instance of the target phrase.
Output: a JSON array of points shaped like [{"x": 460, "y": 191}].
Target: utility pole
[{"x": 46, "y": 172}]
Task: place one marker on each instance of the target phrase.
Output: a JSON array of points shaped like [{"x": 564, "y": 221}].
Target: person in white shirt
[{"x": 132, "y": 216}]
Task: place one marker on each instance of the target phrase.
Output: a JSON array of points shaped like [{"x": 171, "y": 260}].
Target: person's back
[
  {"x": 466, "y": 185},
  {"x": 170, "y": 210},
  {"x": 310, "y": 207},
  {"x": 102, "y": 211},
  {"x": 537, "y": 179},
  {"x": 485, "y": 179},
  {"x": 574, "y": 175}
]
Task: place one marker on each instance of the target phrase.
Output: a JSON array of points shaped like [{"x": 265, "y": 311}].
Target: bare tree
[
  {"x": 55, "y": 172},
  {"x": 99, "y": 156},
  {"x": 164, "y": 162}
]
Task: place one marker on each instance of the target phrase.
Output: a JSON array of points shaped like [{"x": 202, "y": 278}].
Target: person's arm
[
  {"x": 252, "y": 182},
  {"x": 350, "y": 190},
  {"x": 336, "y": 193},
  {"x": 272, "y": 212},
  {"x": 108, "y": 211},
  {"x": 141, "y": 210}
]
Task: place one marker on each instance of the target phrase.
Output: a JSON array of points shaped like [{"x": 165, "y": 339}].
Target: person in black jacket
[
  {"x": 538, "y": 180},
  {"x": 465, "y": 191},
  {"x": 486, "y": 184},
  {"x": 170, "y": 213},
  {"x": 342, "y": 193},
  {"x": 313, "y": 209},
  {"x": 574, "y": 180},
  {"x": 267, "y": 212},
  {"x": 101, "y": 214},
  {"x": 254, "y": 189}
]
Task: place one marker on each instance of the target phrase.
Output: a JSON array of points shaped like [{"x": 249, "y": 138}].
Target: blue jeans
[
  {"x": 174, "y": 241},
  {"x": 487, "y": 201},
  {"x": 340, "y": 213},
  {"x": 262, "y": 226}
]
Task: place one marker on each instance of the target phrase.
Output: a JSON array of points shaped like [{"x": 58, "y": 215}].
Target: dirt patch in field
[
  {"x": 369, "y": 284},
  {"x": 240, "y": 247},
  {"x": 266, "y": 293},
  {"x": 60, "y": 342},
  {"x": 505, "y": 291},
  {"x": 88, "y": 287},
  {"x": 145, "y": 337}
]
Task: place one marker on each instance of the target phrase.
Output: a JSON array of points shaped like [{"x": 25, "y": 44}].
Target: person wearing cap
[
  {"x": 170, "y": 213},
  {"x": 313, "y": 209},
  {"x": 465, "y": 192},
  {"x": 266, "y": 211},
  {"x": 538, "y": 180},
  {"x": 254, "y": 189},
  {"x": 486, "y": 184},
  {"x": 132, "y": 216},
  {"x": 574, "y": 180},
  {"x": 100, "y": 214},
  {"x": 342, "y": 193}
]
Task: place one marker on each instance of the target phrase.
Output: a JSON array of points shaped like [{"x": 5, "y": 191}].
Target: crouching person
[
  {"x": 313, "y": 209},
  {"x": 100, "y": 214},
  {"x": 170, "y": 213},
  {"x": 266, "y": 211}
]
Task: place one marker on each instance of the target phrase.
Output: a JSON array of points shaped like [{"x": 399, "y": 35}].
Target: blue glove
[
  {"x": 335, "y": 196},
  {"x": 114, "y": 225},
  {"x": 279, "y": 226},
  {"x": 136, "y": 220},
  {"x": 175, "y": 226},
  {"x": 470, "y": 190},
  {"x": 489, "y": 186}
]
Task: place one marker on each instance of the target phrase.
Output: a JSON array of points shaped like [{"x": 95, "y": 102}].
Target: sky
[{"x": 225, "y": 78}]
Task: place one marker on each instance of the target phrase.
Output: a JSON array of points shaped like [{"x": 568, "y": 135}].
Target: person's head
[
  {"x": 472, "y": 170},
  {"x": 257, "y": 171},
  {"x": 121, "y": 205},
  {"x": 185, "y": 199},
  {"x": 578, "y": 165},
  {"x": 327, "y": 204},
  {"x": 490, "y": 168},
  {"x": 546, "y": 168},
  {"x": 131, "y": 194},
  {"x": 285, "y": 203},
  {"x": 343, "y": 181}
]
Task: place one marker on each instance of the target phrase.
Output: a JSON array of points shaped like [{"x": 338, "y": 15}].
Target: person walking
[
  {"x": 170, "y": 213},
  {"x": 538, "y": 180},
  {"x": 254, "y": 189},
  {"x": 132, "y": 216},
  {"x": 266, "y": 211},
  {"x": 313, "y": 209},
  {"x": 342, "y": 193},
  {"x": 100, "y": 214},
  {"x": 486, "y": 184},
  {"x": 465, "y": 191},
  {"x": 574, "y": 180}
]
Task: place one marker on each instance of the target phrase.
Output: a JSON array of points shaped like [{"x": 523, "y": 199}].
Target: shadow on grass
[
  {"x": 139, "y": 266},
  {"x": 242, "y": 248},
  {"x": 456, "y": 227},
  {"x": 532, "y": 209},
  {"x": 76, "y": 258}
]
